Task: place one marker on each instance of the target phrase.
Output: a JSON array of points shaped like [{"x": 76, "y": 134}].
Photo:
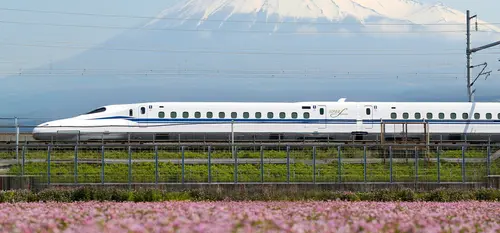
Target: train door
[
  {"x": 322, "y": 114},
  {"x": 142, "y": 116},
  {"x": 368, "y": 116}
]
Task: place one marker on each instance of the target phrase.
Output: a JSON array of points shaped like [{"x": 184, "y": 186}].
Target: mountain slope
[{"x": 362, "y": 11}]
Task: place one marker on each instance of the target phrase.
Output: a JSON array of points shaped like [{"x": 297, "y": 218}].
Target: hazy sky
[{"x": 15, "y": 57}]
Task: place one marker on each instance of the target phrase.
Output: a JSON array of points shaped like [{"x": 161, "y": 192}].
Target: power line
[
  {"x": 242, "y": 52},
  {"x": 251, "y": 74},
  {"x": 230, "y": 31},
  {"x": 87, "y": 44},
  {"x": 215, "y": 20}
]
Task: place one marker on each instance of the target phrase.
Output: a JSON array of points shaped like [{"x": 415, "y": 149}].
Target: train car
[{"x": 295, "y": 120}]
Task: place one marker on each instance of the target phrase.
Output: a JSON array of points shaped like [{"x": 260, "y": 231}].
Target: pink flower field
[{"x": 334, "y": 216}]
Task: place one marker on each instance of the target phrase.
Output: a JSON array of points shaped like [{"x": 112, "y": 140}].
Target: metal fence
[{"x": 251, "y": 163}]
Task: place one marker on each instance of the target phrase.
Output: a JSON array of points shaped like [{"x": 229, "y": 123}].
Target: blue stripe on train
[{"x": 297, "y": 121}]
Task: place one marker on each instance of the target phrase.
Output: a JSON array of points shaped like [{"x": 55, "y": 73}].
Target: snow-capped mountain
[
  {"x": 335, "y": 11},
  {"x": 251, "y": 50}
]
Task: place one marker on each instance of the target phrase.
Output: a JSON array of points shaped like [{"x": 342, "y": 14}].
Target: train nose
[{"x": 39, "y": 132}]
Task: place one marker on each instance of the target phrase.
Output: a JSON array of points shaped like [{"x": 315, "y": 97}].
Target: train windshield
[{"x": 96, "y": 111}]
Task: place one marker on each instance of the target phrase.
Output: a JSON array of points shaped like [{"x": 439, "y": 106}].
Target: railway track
[{"x": 7, "y": 139}]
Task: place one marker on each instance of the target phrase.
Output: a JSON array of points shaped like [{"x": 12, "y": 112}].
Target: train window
[
  {"x": 429, "y": 115},
  {"x": 161, "y": 115},
  {"x": 282, "y": 115},
  {"x": 130, "y": 112},
  {"x": 270, "y": 115},
  {"x": 498, "y": 116},
  {"x": 210, "y": 115},
  {"x": 418, "y": 115},
  {"x": 368, "y": 111},
  {"x": 185, "y": 115},
  {"x": 477, "y": 116},
  {"x": 222, "y": 115},
  {"x": 406, "y": 115},
  {"x": 234, "y": 115},
  {"x": 294, "y": 115},
  {"x": 465, "y": 116},
  {"x": 321, "y": 111},
  {"x": 453, "y": 116},
  {"x": 246, "y": 115},
  {"x": 173, "y": 115},
  {"x": 306, "y": 115},
  {"x": 258, "y": 115},
  {"x": 143, "y": 110},
  {"x": 394, "y": 115},
  {"x": 489, "y": 116},
  {"x": 197, "y": 114},
  {"x": 441, "y": 115}
]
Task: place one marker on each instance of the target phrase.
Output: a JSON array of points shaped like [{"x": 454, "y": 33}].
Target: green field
[{"x": 300, "y": 170}]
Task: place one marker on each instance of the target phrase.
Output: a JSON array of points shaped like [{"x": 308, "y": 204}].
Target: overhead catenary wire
[
  {"x": 241, "y": 52},
  {"x": 164, "y": 18},
  {"x": 235, "y": 31}
]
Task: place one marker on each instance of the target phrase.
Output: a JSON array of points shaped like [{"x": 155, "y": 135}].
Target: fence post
[
  {"x": 102, "y": 164},
  {"x": 129, "y": 167},
  {"x": 17, "y": 140},
  {"x": 438, "y": 165},
  {"x": 463, "y": 164},
  {"x": 339, "y": 165},
  {"x": 314, "y": 164},
  {"x": 364, "y": 164},
  {"x": 48, "y": 165},
  {"x": 288, "y": 164},
  {"x": 416, "y": 165},
  {"x": 261, "y": 164},
  {"x": 156, "y": 166},
  {"x": 488, "y": 160},
  {"x": 182, "y": 165},
  {"x": 390, "y": 165},
  {"x": 209, "y": 164},
  {"x": 235, "y": 154},
  {"x": 23, "y": 160},
  {"x": 76, "y": 164}
]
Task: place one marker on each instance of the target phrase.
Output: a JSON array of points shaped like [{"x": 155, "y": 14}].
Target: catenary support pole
[{"x": 468, "y": 54}]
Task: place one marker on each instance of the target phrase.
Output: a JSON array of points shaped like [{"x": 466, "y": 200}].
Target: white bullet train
[{"x": 335, "y": 120}]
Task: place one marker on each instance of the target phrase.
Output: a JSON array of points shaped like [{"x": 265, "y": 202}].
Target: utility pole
[{"x": 469, "y": 52}]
